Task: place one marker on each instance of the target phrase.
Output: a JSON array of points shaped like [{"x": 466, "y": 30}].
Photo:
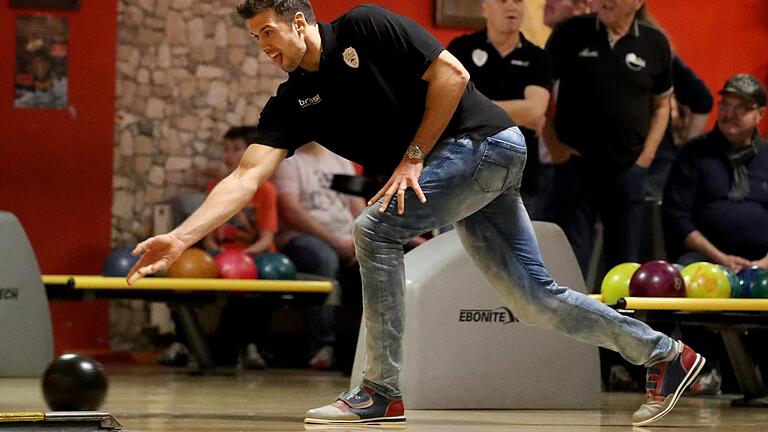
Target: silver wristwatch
[{"x": 414, "y": 153}]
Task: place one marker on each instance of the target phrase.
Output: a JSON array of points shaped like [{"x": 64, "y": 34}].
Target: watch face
[{"x": 414, "y": 152}]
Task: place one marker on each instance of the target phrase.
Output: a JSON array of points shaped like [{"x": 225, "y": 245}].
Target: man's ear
[{"x": 299, "y": 22}]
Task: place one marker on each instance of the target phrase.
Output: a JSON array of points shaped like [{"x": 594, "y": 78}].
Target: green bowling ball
[{"x": 616, "y": 282}]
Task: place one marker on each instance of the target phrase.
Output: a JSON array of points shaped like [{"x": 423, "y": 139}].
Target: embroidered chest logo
[
  {"x": 634, "y": 62},
  {"x": 479, "y": 57},
  {"x": 351, "y": 58},
  {"x": 314, "y": 100},
  {"x": 586, "y": 52},
  {"x": 521, "y": 63}
]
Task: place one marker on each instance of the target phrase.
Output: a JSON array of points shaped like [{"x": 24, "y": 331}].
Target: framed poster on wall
[
  {"x": 42, "y": 45},
  {"x": 70, "y": 5},
  {"x": 459, "y": 13}
]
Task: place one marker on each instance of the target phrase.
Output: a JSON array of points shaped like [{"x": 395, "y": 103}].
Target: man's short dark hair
[
  {"x": 284, "y": 9},
  {"x": 245, "y": 133}
]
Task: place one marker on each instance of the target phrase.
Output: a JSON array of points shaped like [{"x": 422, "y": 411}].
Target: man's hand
[
  {"x": 561, "y": 153},
  {"x": 157, "y": 253},
  {"x": 733, "y": 262},
  {"x": 644, "y": 161},
  {"x": 406, "y": 175}
]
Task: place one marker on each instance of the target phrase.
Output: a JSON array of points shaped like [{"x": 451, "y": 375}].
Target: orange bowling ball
[{"x": 194, "y": 263}]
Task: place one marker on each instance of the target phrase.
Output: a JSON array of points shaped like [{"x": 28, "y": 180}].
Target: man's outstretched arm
[{"x": 227, "y": 198}]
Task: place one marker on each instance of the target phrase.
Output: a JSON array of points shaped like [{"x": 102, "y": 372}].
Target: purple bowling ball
[{"x": 657, "y": 279}]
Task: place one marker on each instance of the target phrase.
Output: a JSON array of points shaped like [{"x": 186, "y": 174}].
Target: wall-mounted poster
[
  {"x": 41, "y": 62},
  {"x": 459, "y": 13}
]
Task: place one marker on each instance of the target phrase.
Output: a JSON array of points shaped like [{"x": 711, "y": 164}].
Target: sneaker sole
[
  {"x": 697, "y": 366},
  {"x": 378, "y": 421}
]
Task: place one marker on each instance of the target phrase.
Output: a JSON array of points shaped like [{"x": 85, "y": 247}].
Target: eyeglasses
[{"x": 739, "y": 110}]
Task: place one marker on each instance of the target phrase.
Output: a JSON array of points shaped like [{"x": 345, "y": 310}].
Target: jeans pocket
[
  {"x": 491, "y": 176},
  {"x": 501, "y": 165}
]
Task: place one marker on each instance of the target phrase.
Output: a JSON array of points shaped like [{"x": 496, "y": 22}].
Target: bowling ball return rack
[{"x": 183, "y": 294}]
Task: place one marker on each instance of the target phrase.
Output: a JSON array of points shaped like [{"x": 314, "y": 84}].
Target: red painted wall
[{"x": 56, "y": 165}]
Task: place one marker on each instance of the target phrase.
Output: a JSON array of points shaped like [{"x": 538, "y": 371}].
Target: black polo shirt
[
  {"x": 505, "y": 78},
  {"x": 605, "y": 94},
  {"x": 367, "y": 100}
]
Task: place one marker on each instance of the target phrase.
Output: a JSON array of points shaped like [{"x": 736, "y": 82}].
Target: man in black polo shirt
[
  {"x": 512, "y": 72},
  {"x": 376, "y": 88},
  {"x": 615, "y": 81}
]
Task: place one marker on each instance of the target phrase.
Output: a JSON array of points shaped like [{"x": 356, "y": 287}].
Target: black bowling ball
[{"x": 74, "y": 382}]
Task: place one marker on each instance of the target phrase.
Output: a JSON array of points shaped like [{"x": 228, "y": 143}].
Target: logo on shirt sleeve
[
  {"x": 479, "y": 57},
  {"x": 634, "y": 62},
  {"x": 351, "y": 58}
]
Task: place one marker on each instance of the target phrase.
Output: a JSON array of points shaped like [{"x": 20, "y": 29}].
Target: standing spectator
[
  {"x": 512, "y": 72},
  {"x": 615, "y": 81}
]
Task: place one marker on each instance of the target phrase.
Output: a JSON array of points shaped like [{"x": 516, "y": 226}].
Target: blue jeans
[{"x": 475, "y": 185}]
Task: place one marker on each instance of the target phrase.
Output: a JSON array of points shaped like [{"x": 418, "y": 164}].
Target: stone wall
[{"x": 186, "y": 71}]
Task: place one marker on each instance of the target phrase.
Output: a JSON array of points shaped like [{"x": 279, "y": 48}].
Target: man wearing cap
[{"x": 716, "y": 200}]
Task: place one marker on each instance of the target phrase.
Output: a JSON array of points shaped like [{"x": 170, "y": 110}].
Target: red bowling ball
[
  {"x": 657, "y": 279},
  {"x": 235, "y": 264}
]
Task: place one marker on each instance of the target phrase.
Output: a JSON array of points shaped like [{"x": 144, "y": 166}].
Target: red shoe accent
[
  {"x": 341, "y": 405},
  {"x": 395, "y": 409},
  {"x": 688, "y": 357}
]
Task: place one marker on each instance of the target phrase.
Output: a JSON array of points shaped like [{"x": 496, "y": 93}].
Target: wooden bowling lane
[{"x": 162, "y": 400}]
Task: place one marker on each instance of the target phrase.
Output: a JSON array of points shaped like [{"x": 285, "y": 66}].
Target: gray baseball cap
[{"x": 747, "y": 87}]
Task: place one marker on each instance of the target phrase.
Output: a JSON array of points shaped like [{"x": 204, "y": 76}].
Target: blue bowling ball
[{"x": 119, "y": 262}]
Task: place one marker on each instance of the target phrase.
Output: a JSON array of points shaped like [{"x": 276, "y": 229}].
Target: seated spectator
[
  {"x": 244, "y": 322},
  {"x": 716, "y": 200},
  {"x": 316, "y": 233}
]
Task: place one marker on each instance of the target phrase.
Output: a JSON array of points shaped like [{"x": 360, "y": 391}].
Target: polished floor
[{"x": 154, "y": 399}]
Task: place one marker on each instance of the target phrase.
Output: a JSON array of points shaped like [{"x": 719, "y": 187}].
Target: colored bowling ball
[
  {"x": 753, "y": 282},
  {"x": 74, "y": 382},
  {"x": 193, "y": 263},
  {"x": 657, "y": 279},
  {"x": 119, "y": 262},
  {"x": 274, "y": 265},
  {"x": 733, "y": 281},
  {"x": 616, "y": 282},
  {"x": 236, "y": 264},
  {"x": 706, "y": 280}
]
